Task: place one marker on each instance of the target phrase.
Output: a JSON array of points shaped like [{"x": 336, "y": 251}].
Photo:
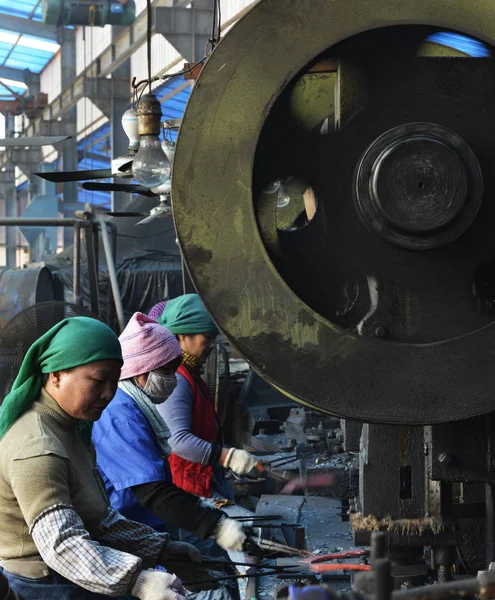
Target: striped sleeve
[
  {"x": 67, "y": 548},
  {"x": 129, "y": 536}
]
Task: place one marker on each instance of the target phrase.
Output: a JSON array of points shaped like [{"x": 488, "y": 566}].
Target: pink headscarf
[
  {"x": 146, "y": 346},
  {"x": 157, "y": 310}
]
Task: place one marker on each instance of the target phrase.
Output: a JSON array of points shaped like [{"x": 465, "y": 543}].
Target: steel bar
[
  {"x": 451, "y": 589},
  {"x": 269, "y": 545},
  {"x": 383, "y": 580},
  {"x": 77, "y": 264},
  {"x": 378, "y": 541},
  {"x": 113, "y": 238},
  {"x": 112, "y": 272},
  {"x": 41, "y": 222},
  {"x": 254, "y": 517}
]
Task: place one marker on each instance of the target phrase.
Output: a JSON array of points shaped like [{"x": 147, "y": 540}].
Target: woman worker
[
  {"x": 131, "y": 441},
  {"x": 189, "y": 412},
  {"x": 60, "y": 538}
]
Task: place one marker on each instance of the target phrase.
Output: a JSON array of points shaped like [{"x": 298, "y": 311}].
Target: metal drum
[{"x": 20, "y": 288}]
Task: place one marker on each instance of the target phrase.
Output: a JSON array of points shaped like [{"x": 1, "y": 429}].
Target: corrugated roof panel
[
  {"x": 4, "y": 50},
  {"x": 21, "y": 8},
  {"x": 24, "y": 51},
  {"x": 22, "y": 58}
]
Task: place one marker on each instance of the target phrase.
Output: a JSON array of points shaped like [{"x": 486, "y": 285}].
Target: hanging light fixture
[{"x": 151, "y": 166}]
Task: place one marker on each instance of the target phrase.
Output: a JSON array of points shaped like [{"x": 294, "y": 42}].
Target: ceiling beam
[
  {"x": 24, "y": 76},
  {"x": 29, "y": 27}
]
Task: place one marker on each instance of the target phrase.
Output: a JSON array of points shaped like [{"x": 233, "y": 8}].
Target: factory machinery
[{"x": 334, "y": 198}]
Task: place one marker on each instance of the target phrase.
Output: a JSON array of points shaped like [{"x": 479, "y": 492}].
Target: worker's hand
[
  {"x": 240, "y": 461},
  {"x": 157, "y": 585},
  {"x": 229, "y": 535},
  {"x": 181, "y": 550}
]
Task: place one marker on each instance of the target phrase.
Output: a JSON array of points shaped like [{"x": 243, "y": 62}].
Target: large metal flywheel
[{"x": 334, "y": 197}]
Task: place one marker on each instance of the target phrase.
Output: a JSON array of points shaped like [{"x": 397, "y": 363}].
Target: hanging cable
[{"x": 148, "y": 41}]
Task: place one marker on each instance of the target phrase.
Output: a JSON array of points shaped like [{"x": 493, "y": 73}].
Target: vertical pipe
[
  {"x": 77, "y": 265},
  {"x": 377, "y": 547},
  {"x": 112, "y": 272},
  {"x": 489, "y": 524},
  {"x": 383, "y": 580},
  {"x": 92, "y": 272},
  {"x": 113, "y": 239}
]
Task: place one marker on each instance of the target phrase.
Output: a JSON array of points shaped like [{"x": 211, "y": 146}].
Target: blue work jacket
[{"x": 128, "y": 454}]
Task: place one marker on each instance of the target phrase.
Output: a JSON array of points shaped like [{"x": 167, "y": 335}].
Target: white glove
[
  {"x": 175, "y": 550},
  {"x": 240, "y": 461},
  {"x": 157, "y": 585},
  {"x": 229, "y": 535}
]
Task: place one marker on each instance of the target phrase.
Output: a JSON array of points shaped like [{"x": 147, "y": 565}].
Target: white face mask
[{"x": 159, "y": 386}]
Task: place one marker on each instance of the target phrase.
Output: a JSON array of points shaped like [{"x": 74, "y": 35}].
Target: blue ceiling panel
[
  {"x": 21, "y": 8},
  {"x": 15, "y": 54},
  {"x": 22, "y": 56}
]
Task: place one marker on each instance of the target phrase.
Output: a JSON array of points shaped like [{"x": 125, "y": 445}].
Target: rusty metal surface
[{"x": 288, "y": 342}]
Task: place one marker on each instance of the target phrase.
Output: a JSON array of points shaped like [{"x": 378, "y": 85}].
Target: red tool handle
[
  {"x": 336, "y": 555},
  {"x": 339, "y": 567}
]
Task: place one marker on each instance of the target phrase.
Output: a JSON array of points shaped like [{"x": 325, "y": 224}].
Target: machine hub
[{"x": 413, "y": 186}]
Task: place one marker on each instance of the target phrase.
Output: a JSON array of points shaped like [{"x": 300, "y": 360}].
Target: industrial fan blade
[
  {"x": 126, "y": 166},
  {"x": 126, "y": 214},
  {"x": 119, "y": 187},
  {"x": 33, "y": 141},
  {"x": 148, "y": 219},
  {"x": 162, "y": 210},
  {"x": 57, "y": 176}
]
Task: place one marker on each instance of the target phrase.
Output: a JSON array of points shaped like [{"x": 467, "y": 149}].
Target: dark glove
[{"x": 189, "y": 572}]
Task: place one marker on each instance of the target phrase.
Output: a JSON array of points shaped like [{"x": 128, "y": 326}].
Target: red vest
[{"x": 193, "y": 477}]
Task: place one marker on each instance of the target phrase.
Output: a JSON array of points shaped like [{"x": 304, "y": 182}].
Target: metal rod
[
  {"x": 92, "y": 272},
  {"x": 21, "y": 222},
  {"x": 112, "y": 272},
  {"x": 383, "y": 581},
  {"x": 451, "y": 589},
  {"x": 269, "y": 545},
  {"x": 256, "y": 517},
  {"x": 77, "y": 264},
  {"x": 378, "y": 539},
  {"x": 113, "y": 239},
  {"x": 490, "y": 523}
]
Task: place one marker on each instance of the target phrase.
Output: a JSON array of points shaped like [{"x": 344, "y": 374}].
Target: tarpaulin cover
[{"x": 145, "y": 278}]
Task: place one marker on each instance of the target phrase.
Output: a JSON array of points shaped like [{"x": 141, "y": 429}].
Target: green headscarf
[
  {"x": 187, "y": 315},
  {"x": 70, "y": 343}
]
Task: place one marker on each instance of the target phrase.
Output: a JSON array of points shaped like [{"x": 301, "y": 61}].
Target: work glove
[
  {"x": 229, "y": 535},
  {"x": 181, "y": 551},
  {"x": 240, "y": 461},
  {"x": 190, "y": 573},
  {"x": 183, "y": 559},
  {"x": 157, "y": 585}
]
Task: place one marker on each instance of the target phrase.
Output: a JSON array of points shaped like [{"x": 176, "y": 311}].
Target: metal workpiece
[{"x": 364, "y": 309}]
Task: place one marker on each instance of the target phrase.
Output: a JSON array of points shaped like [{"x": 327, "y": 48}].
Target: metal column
[
  {"x": 67, "y": 42},
  {"x": 10, "y": 193},
  {"x": 119, "y": 141}
]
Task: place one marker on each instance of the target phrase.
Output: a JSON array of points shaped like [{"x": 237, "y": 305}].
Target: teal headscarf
[
  {"x": 70, "y": 343},
  {"x": 187, "y": 315}
]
